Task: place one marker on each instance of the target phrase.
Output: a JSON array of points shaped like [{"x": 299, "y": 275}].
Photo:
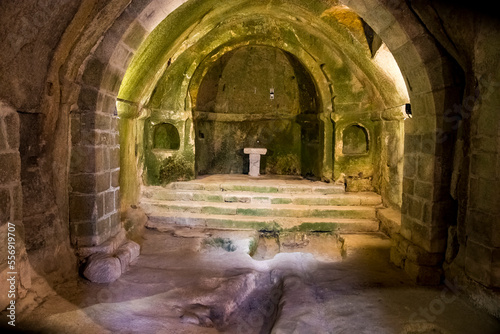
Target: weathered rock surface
[
  {"x": 173, "y": 287},
  {"x": 103, "y": 268}
]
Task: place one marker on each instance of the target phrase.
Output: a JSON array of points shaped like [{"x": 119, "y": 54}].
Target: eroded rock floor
[{"x": 200, "y": 281}]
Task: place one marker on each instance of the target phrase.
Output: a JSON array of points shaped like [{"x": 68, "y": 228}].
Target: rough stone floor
[{"x": 203, "y": 281}]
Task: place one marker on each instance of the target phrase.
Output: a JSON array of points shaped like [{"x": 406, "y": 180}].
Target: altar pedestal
[{"x": 255, "y": 154}]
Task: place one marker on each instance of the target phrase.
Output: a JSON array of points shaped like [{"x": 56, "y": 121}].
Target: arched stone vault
[
  {"x": 317, "y": 45},
  {"x": 430, "y": 75}
]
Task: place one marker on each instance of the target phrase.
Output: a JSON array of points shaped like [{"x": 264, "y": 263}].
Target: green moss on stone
[
  {"x": 224, "y": 243},
  {"x": 175, "y": 168}
]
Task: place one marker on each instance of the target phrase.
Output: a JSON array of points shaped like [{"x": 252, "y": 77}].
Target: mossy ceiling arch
[
  {"x": 326, "y": 63},
  {"x": 210, "y": 61},
  {"x": 311, "y": 33},
  {"x": 174, "y": 85}
]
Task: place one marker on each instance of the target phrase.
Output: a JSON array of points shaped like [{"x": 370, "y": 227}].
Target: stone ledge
[
  {"x": 390, "y": 221},
  {"x": 108, "y": 247}
]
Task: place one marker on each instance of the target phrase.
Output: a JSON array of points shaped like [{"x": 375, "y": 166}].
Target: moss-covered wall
[
  {"x": 172, "y": 163},
  {"x": 353, "y": 132},
  {"x": 219, "y": 72}
]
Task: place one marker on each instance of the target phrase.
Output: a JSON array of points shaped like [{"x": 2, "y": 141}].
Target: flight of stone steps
[{"x": 231, "y": 202}]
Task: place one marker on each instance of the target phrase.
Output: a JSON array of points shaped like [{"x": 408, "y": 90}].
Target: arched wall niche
[
  {"x": 255, "y": 96},
  {"x": 166, "y": 137},
  {"x": 355, "y": 140}
]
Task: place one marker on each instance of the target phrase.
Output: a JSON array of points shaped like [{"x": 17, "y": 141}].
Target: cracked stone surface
[{"x": 185, "y": 282}]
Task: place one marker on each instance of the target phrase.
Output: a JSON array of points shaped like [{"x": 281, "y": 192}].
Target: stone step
[
  {"x": 271, "y": 210},
  {"x": 167, "y": 219},
  {"x": 258, "y": 186},
  {"x": 345, "y": 199}
]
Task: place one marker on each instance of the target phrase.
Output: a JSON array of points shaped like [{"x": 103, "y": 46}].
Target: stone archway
[
  {"x": 429, "y": 137},
  {"x": 432, "y": 88}
]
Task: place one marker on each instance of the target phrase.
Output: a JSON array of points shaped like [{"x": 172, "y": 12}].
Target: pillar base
[{"x": 423, "y": 267}]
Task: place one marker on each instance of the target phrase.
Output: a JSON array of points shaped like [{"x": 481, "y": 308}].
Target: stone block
[
  {"x": 153, "y": 15},
  {"x": 412, "y": 143},
  {"x": 102, "y": 268},
  {"x": 75, "y": 128},
  {"x": 406, "y": 54},
  {"x": 397, "y": 258},
  {"x": 484, "y": 144},
  {"x": 10, "y": 168},
  {"x": 484, "y": 195},
  {"x": 115, "y": 121},
  {"x": 478, "y": 262},
  {"x": 410, "y": 165},
  {"x": 425, "y": 167},
  {"x": 103, "y": 138},
  {"x": 424, "y": 190},
  {"x": 439, "y": 213},
  {"x": 79, "y": 229},
  {"x": 381, "y": 18},
  {"x": 415, "y": 207},
  {"x": 114, "y": 221},
  {"x": 83, "y": 159},
  {"x": 406, "y": 223},
  {"x": 93, "y": 72},
  {"x": 390, "y": 221},
  {"x": 482, "y": 166},
  {"x": 106, "y": 159},
  {"x": 358, "y": 185},
  {"x": 82, "y": 207},
  {"x": 423, "y": 275},
  {"x": 114, "y": 158},
  {"x": 432, "y": 239},
  {"x": 83, "y": 183},
  {"x": 103, "y": 228},
  {"x": 117, "y": 199},
  {"x": 103, "y": 182},
  {"x": 109, "y": 202},
  {"x": 121, "y": 56},
  {"x": 483, "y": 228},
  {"x": 425, "y": 45},
  {"x": 101, "y": 159},
  {"x": 395, "y": 37},
  {"x": 90, "y": 233},
  {"x": 102, "y": 121},
  {"x": 109, "y": 105},
  {"x": 87, "y": 100},
  {"x": 12, "y": 126},
  {"x": 100, "y": 205},
  {"x": 428, "y": 142},
  {"x": 418, "y": 77},
  {"x": 87, "y": 120},
  {"x": 108, "y": 246},
  {"x": 88, "y": 137},
  {"x": 115, "y": 178},
  {"x": 112, "y": 80},
  {"x": 135, "y": 36},
  {"x": 127, "y": 253},
  {"x": 421, "y": 257}
]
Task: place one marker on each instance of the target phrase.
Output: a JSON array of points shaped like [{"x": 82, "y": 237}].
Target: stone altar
[{"x": 255, "y": 154}]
